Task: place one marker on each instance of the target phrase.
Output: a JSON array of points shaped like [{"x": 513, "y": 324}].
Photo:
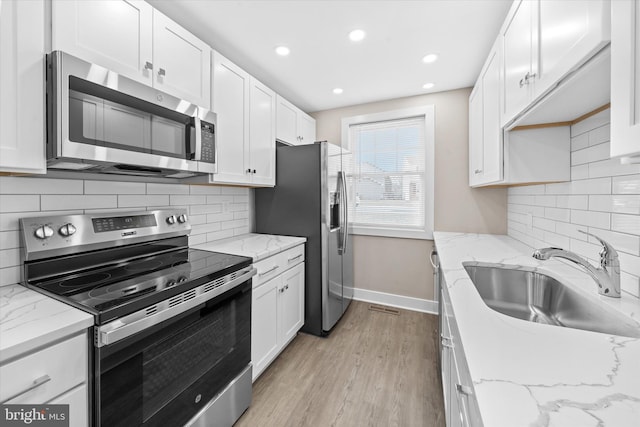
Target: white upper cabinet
[
  {"x": 245, "y": 135},
  {"x": 625, "y": 81},
  {"x": 294, "y": 126},
  {"x": 262, "y": 134},
  {"x": 485, "y": 132},
  {"x": 544, "y": 41},
  {"x": 133, "y": 39},
  {"x": 22, "y": 91},
  {"x": 182, "y": 64}
]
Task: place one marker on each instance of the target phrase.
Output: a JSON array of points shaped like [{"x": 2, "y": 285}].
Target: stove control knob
[
  {"x": 182, "y": 279},
  {"x": 171, "y": 283},
  {"x": 44, "y": 232},
  {"x": 171, "y": 219},
  {"x": 67, "y": 230},
  {"x": 182, "y": 219}
]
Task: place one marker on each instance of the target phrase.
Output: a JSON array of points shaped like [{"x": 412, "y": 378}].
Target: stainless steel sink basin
[{"x": 528, "y": 295}]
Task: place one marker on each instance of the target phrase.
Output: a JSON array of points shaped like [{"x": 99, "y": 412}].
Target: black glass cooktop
[{"x": 121, "y": 288}]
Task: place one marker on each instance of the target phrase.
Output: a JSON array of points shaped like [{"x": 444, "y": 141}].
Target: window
[{"x": 391, "y": 177}]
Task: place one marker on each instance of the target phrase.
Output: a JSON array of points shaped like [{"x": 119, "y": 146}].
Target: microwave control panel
[{"x": 208, "y": 153}]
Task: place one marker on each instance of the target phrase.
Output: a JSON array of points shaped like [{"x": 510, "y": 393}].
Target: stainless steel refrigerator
[{"x": 311, "y": 199}]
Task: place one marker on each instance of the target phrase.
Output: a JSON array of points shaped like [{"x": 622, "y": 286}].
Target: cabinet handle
[
  {"x": 281, "y": 290},
  {"x": 432, "y": 256},
  {"x": 294, "y": 258},
  {"x": 445, "y": 342},
  {"x": 525, "y": 79},
  {"x": 36, "y": 383},
  {"x": 274, "y": 268},
  {"x": 148, "y": 66},
  {"x": 464, "y": 389},
  {"x": 254, "y": 171},
  {"x": 522, "y": 82},
  {"x": 162, "y": 72},
  {"x": 248, "y": 170},
  {"x": 477, "y": 171},
  {"x": 286, "y": 286}
]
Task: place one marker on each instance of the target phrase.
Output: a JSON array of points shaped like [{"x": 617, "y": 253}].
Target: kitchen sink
[{"x": 526, "y": 294}]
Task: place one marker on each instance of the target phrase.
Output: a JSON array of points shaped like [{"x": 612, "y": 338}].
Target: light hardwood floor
[{"x": 375, "y": 369}]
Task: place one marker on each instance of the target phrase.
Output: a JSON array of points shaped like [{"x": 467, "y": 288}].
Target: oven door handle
[{"x": 122, "y": 328}]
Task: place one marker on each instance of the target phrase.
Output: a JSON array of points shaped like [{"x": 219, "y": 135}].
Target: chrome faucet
[{"x": 607, "y": 276}]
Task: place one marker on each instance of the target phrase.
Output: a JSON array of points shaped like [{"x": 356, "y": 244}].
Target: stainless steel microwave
[{"x": 101, "y": 121}]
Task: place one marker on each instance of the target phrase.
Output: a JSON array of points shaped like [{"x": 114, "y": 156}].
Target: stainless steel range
[{"x": 172, "y": 335}]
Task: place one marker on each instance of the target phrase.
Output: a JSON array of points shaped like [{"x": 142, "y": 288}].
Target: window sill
[{"x": 392, "y": 232}]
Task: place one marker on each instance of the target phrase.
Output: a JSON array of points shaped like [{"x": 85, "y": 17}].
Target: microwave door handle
[{"x": 198, "y": 150}]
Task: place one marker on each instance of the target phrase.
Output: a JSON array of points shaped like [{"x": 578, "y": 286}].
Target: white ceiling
[{"x": 386, "y": 64}]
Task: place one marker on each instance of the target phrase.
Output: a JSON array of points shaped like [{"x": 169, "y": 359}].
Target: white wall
[
  {"x": 215, "y": 212},
  {"x": 602, "y": 198}
]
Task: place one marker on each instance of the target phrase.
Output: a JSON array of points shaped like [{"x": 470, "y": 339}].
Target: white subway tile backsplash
[
  {"x": 9, "y": 239},
  {"x": 603, "y": 197},
  {"x": 210, "y": 208},
  {"x": 592, "y": 123},
  {"x": 139, "y": 201},
  {"x": 580, "y": 142},
  {"x": 153, "y": 188},
  {"x": 114, "y": 187},
  {"x": 180, "y": 200},
  {"x": 621, "y": 241},
  {"x": 35, "y": 185},
  {"x": 626, "y": 184},
  {"x": 71, "y": 201},
  {"x": 626, "y": 223},
  {"x": 573, "y": 202},
  {"x": 558, "y": 214},
  {"x": 19, "y": 202},
  {"x": 591, "y": 219}
]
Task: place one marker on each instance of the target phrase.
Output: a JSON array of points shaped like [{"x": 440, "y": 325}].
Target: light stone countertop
[
  {"x": 257, "y": 246},
  {"x": 30, "y": 320},
  {"x": 528, "y": 374}
]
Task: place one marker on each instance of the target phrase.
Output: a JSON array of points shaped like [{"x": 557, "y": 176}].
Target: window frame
[{"x": 427, "y": 112}]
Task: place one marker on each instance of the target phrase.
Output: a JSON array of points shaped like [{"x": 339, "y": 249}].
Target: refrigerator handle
[{"x": 345, "y": 207}]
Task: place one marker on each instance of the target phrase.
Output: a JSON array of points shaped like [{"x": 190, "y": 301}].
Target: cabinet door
[
  {"x": 287, "y": 122},
  {"x": 116, "y": 34},
  {"x": 518, "y": 46},
  {"x": 264, "y": 325},
  {"x": 475, "y": 135},
  {"x": 570, "y": 33},
  {"x": 262, "y": 134},
  {"x": 625, "y": 78},
  {"x": 231, "y": 104},
  {"x": 77, "y": 401},
  {"x": 291, "y": 304},
  {"x": 491, "y": 130},
  {"x": 182, "y": 62},
  {"x": 22, "y": 93},
  {"x": 307, "y": 128}
]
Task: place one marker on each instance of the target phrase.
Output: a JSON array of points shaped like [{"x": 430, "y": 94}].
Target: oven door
[{"x": 168, "y": 373}]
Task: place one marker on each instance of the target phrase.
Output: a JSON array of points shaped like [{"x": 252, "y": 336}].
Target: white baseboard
[{"x": 398, "y": 301}]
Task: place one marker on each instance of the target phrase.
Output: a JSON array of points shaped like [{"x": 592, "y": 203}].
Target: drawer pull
[
  {"x": 36, "y": 383},
  {"x": 464, "y": 389},
  {"x": 272, "y": 269},
  {"x": 294, "y": 258}
]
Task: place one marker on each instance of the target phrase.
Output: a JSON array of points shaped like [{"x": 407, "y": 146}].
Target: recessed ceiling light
[
  {"x": 428, "y": 85},
  {"x": 428, "y": 59},
  {"x": 337, "y": 91},
  {"x": 357, "y": 35},
  {"x": 282, "y": 50}
]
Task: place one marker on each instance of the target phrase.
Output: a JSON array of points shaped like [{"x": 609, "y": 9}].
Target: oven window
[
  {"x": 177, "y": 372},
  {"x": 104, "y": 117}
]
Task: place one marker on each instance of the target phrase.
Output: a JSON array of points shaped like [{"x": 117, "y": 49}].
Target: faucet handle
[{"x": 608, "y": 252}]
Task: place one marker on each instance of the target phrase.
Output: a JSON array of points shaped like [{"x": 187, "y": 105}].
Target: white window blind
[{"x": 388, "y": 177}]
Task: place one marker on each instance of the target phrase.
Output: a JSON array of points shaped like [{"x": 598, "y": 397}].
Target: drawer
[
  {"x": 268, "y": 268},
  {"x": 59, "y": 368},
  {"x": 292, "y": 257},
  {"x": 271, "y": 267},
  {"x": 77, "y": 399}
]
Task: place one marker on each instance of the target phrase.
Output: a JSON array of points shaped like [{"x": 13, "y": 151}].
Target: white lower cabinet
[
  {"x": 277, "y": 311},
  {"x": 460, "y": 404},
  {"x": 56, "y": 374}
]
